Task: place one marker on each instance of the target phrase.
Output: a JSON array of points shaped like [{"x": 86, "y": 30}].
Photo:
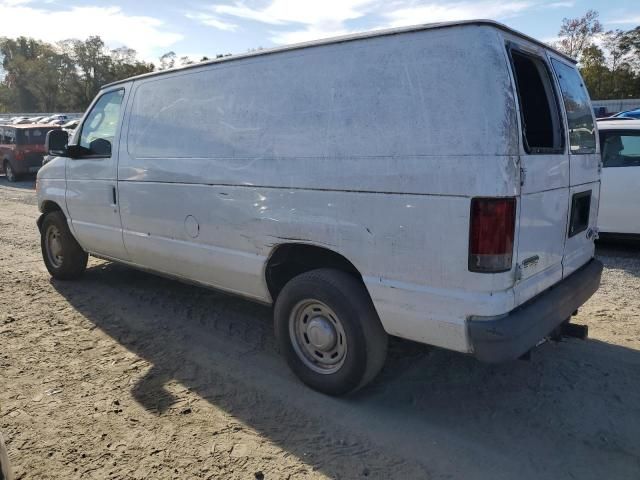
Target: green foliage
[
  {"x": 611, "y": 70},
  {"x": 40, "y": 77}
]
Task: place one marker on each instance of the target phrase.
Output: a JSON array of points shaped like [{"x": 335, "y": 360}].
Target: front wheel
[
  {"x": 329, "y": 332},
  {"x": 63, "y": 256}
]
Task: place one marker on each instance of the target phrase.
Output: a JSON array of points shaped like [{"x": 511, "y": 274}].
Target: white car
[
  {"x": 620, "y": 190},
  {"x": 374, "y": 184}
]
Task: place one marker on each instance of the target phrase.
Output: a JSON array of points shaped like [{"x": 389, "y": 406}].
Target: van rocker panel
[{"x": 509, "y": 336}]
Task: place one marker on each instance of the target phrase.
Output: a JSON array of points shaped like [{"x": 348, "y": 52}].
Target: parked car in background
[
  {"x": 619, "y": 214},
  {"x": 628, "y": 114},
  {"x": 71, "y": 125},
  {"x": 22, "y": 149},
  {"x": 36, "y": 119},
  {"x": 20, "y": 121},
  {"x": 388, "y": 187},
  {"x": 58, "y": 119}
]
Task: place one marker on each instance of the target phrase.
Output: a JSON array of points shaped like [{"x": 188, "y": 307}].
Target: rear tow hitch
[{"x": 567, "y": 329}]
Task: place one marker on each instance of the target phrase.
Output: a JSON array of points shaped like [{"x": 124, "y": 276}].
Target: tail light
[
  {"x": 19, "y": 155},
  {"x": 493, "y": 222}
]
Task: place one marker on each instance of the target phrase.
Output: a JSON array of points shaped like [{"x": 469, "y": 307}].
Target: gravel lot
[{"x": 127, "y": 375}]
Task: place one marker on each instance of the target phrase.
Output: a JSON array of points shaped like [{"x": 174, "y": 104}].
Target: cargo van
[{"x": 438, "y": 183}]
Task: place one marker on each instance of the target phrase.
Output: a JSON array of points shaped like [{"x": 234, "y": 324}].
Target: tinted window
[
  {"x": 9, "y": 136},
  {"x": 541, "y": 125},
  {"x": 582, "y": 138},
  {"x": 99, "y": 129},
  {"x": 620, "y": 149},
  {"x": 32, "y": 136}
]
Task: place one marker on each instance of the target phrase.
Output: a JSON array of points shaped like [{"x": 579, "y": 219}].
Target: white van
[{"x": 438, "y": 183}]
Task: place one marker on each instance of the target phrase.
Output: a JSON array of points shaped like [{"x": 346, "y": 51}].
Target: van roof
[{"x": 349, "y": 38}]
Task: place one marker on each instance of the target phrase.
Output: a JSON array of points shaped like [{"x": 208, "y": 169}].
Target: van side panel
[
  {"x": 397, "y": 242},
  {"x": 372, "y": 149},
  {"x": 422, "y": 93}
]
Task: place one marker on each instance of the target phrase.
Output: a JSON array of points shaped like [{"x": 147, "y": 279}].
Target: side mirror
[{"x": 56, "y": 143}]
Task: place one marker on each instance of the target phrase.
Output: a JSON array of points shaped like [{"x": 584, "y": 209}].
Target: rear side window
[
  {"x": 582, "y": 135},
  {"x": 620, "y": 149},
  {"x": 540, "y": 118},
  {"x": 32, "y": 136},
  {"x": 8, "y": 136}
]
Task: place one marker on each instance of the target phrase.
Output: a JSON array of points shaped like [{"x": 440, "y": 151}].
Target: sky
[{"x": 197, "y": 28}]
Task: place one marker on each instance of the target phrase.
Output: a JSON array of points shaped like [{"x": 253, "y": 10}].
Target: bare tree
[
  {"x": 168, "y": 60},
  {"x": 612, "y": 42},
  {"x": 185, "y": 60},
  {"x": 576, "y": 34},
  {"x": 630, "y": 45}
]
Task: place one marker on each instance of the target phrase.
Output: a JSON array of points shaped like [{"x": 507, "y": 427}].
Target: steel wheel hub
[
  {"x": 317, "y": 336},
  {"x": 321, "y": 333},
  {"x": 54, "y": 246}
]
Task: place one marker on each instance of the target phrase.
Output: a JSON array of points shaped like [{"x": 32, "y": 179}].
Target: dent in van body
[{"x": 418, "y": 285}]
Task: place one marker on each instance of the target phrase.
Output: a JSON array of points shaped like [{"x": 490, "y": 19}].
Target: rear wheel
[
  {"x": 9, "y": 172},
  {"x": 63, "y": 256},
  {"x": 329, "y": 331}
]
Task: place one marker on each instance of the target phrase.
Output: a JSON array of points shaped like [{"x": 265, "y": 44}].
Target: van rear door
[
  {"x": 544, "y": 175},
  {"x": 584, "y": 167}
]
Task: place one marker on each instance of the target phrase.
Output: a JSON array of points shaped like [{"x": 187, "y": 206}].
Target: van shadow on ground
[{"x": 571, "y": 412}]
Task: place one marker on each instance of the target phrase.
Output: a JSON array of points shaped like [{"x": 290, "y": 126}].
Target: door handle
[{"x": 113, "y": 196}]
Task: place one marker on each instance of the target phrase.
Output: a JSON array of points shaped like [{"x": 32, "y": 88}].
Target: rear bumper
[{"x": 506, "y": 337}]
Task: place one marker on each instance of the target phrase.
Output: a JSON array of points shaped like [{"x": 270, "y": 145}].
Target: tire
[
  {"x": 329, "y": 332},
  {"x": 9, "y": 172},
  {"x": 62, "y": 255},
  {"x": 5, "y": 466}
]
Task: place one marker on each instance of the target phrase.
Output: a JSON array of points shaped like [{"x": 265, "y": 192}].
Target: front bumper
[{"x": 509, "y": 336}]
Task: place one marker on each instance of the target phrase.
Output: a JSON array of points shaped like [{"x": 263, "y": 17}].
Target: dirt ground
[{"x": 127, "y": 375}]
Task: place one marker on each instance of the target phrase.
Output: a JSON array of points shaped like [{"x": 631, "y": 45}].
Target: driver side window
[{"x": 99, "y": 129}]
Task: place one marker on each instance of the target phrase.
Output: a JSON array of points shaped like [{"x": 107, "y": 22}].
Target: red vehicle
[{"x": 22, "y": 149}]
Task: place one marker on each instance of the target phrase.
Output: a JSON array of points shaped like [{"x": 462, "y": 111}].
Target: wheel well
[
  {"x": 292, "y": 259},
  {"x": 49, "y": 206}
]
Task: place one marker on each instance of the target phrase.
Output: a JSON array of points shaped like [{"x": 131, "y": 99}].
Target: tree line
[
  {"x": 37, "y": 76},
  {"x": 41, "y": 77},
  {"x": 609, "y": 61}
]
